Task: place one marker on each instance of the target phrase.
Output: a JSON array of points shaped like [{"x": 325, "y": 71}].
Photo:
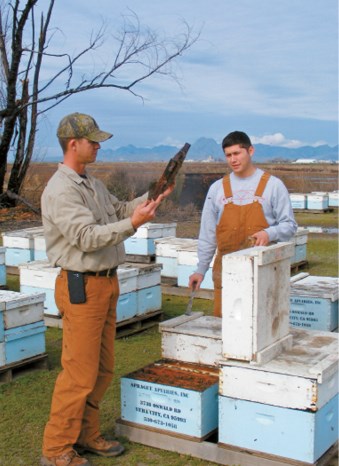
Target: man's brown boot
[
  {"x": 71, "y": 458},
  {"x": 101, "y": 447}
]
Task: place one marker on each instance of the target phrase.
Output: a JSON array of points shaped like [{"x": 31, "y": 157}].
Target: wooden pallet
[
  {"x": 19, "y": 368},
  {"x": 124, "y": 328},
  {"x": 314, "y": 211},
  {"x": 140, "y": 258},
  {"x": 299, "y": 265},
  {"x": 210, "y": 450},
  {"x": 53, "y": 321},
  {"x": 138, "y": 324},
  {"x": 169, "y": 286}
]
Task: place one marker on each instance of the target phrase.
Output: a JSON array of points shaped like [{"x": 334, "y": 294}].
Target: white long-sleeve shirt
[{"x": 276, "y": 205}]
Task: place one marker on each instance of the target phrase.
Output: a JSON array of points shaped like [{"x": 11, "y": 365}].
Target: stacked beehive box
[
  {"x": 187, "y": 261},
  {"x": 300, "y": 240},
  {"x": 142, "y": 243},
  {"x": 298, "y": 200},
  {"x": 19, "y": 245},
  {"x": 22, "y": 328},
  {"x": 140, "y": 290},
  {"x": 317, "y": 200},
  {"x": 333, "y": 199},
  {"x": 277, "y": 385},
  {"x": 167, "y": 250},
  {"x": 314, "y": 302},
  {"x": 271, "y": 386}
]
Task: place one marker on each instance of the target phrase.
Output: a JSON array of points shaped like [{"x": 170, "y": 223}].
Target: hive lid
[
  {"x": 316, "y": 287},
  {"x": 13, "y": 299},
  {"x": 196, "y": 324}
]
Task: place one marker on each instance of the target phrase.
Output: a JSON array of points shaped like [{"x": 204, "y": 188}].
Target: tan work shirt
[{"x": 84, "y": 225}]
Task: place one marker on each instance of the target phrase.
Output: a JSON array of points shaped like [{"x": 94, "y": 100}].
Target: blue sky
[{"x": 269, "y": 68}]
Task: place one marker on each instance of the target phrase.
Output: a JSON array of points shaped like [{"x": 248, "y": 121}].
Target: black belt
[{"x": 103, "y": 273}]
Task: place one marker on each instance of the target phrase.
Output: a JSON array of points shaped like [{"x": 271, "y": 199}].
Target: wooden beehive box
[
  {"x": 172, "y": 397},
  {"x": 194, "y": 339},
  {"x": 255, "y": 302}
]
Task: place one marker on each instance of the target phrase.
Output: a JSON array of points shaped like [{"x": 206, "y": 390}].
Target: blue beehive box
[
  {"x": 172, "y": 397},
  {"x": 127, "y": 306},
  {"x": 314, "y": 303},
  {"x": 333, "y": 199},
  {"x": 292, "y": 433},
  {"x": 167, "y": 250},
  {"x": 317, "y": 201},
  {"x": 149, "y": 299},
  {"x": 2, "y": 266},
  {"x": 22, "y": 342},
  {"x": 139, "y": 246},
  {"x": 298, "y": 200},
  {"x": 19, "y": 245}
]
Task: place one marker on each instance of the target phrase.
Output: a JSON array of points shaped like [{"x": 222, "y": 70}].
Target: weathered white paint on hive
[
  {"x": 39, "y": 274},
  {"x": 148, "y": 274},
  {"x": 304, "y": 377},
  {"x": 316, "y": 287},
  {"x": 195, "y": 339},
  {"x": 168, "y": 247},
  {"x": 18, "y": 309},
  {"x": 255, "y": 302},
  {"x": 156, "y": 230},
  {"x": 127, "y": 277},
  {"x": 21, "y": 239}
]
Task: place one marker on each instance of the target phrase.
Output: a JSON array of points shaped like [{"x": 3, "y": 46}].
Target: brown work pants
[{"x": 87, "y": 361}]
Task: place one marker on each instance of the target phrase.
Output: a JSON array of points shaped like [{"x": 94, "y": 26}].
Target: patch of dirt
[{"x": 18, "y": 218}]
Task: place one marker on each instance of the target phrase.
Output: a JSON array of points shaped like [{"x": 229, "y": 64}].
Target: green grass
[
  {"x": 322, "y": 219},
  {"x": 25, "y": 402}
]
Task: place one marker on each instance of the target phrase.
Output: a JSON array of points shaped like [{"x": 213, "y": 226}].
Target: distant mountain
[{"x": 207, "y": 148}]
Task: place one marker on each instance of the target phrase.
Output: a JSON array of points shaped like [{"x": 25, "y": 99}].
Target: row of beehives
[
  {"x": 22, "y": 327},
  {"x": 140, "y": 284},
  {"x": 179, "y": 257},
  {"x": 315, "y": 201},
  {"x": 261, "y": 385},
  {"x": 314, "y": 302}
]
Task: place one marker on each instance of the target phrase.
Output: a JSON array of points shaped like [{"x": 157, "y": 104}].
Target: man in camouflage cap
[{"x": 85, "y": 227}]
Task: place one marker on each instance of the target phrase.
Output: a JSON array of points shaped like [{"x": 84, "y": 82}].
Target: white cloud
[{"x": 277, "y": 139}]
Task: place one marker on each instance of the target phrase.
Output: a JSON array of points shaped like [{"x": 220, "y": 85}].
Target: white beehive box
[
  {"x": 19, "y": 245},
  {"x": 156, "y": 230},
  {"x": 39, "y": 243},
  {"x": 18, "y": 309},
  {"x": 300, "y": 240},
  {"x": 304, "y": 377},
  {"x": 187, "y": 263},
  {"x": 39, "y": 276},
  {"x": 317, "y": 201},
  {"x": 255, "y": 302},
  {"x": 166, "y": 252},
  {"x": 2, "y": 266},
  {"x": 194, "y": 339},
  {"x": 298, "y": 200},
  {"x": 173, "y": 398},
  {"x": 127, "y": 277},
  {"x": 314, "y": 302},
  {"x": 149, "y": 275}
]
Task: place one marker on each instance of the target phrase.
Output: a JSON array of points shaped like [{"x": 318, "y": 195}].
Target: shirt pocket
[{"x": 111, "y": 214}]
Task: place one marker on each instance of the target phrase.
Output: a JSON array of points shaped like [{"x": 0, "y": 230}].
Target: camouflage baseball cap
[{"x": 79, "y": 125}]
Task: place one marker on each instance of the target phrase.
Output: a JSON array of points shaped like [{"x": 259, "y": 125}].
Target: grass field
[{"x": 25, "y": 402}]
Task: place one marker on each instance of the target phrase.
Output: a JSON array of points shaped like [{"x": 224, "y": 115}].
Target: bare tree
[{"x": 25, "y": 41}]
